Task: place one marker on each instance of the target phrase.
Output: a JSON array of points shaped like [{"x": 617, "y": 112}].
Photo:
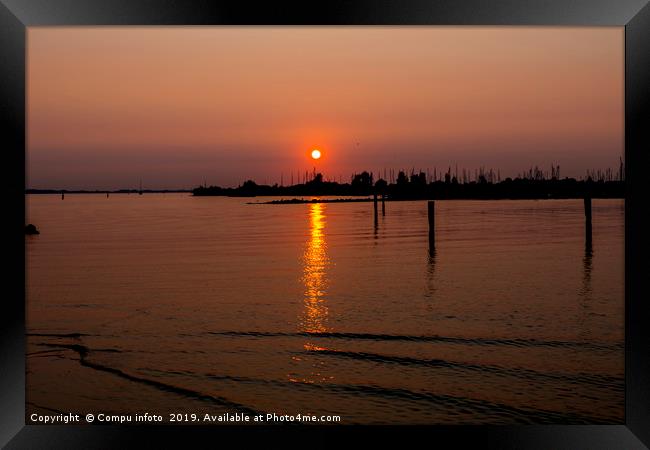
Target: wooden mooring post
[
  {"x": 375, "y": 204},
  {"x": 383, "y": 204},
  {"x": 588, "y": 241},
  {"x": 432, "y": 225}
]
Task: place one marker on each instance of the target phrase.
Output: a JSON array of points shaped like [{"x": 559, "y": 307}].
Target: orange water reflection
[{"x": 316, "y": 261}]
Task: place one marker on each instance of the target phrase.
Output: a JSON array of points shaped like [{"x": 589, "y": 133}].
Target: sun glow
[{"x": 315, "y": 154}]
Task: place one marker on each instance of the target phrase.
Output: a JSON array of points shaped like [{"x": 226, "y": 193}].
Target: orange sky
[{"x": 179, "y": 105}]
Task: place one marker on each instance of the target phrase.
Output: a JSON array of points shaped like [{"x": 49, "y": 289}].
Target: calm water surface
[{"x": 171, "y": 303}]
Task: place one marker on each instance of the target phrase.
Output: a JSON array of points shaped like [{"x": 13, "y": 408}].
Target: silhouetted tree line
[{"x": 531, "y": 184}]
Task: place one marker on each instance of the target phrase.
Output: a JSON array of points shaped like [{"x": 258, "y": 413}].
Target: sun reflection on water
[{"x": 315, "y": 258}]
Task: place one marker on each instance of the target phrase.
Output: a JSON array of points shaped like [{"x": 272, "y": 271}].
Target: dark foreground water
[{"x": 166, "y": 303}]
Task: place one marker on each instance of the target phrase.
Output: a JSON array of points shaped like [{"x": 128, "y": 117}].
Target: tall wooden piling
[
  {"x": 588, "y": 242},
  {"x": 383, "y": 204},
  {"x": 375, "y": 204},
  {"x": 432, "y": 225}
]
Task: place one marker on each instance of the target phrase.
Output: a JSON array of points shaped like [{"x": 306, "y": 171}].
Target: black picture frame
[{"x": 17, "y": 15}]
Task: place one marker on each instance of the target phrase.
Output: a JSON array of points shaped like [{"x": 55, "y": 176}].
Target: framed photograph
[{"x": 354, "y": 220}]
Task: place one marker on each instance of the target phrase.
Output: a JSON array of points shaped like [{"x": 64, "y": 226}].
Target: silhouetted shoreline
[
  {"x": 119, "y": 191},
  {"x": 416, "y": 187},
  {"x": 533, "y": 186}
]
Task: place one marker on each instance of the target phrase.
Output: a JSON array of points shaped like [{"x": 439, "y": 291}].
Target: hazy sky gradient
[{"x": 179, "y": 105}]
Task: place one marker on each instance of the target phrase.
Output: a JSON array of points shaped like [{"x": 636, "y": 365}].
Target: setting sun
[{"x": 315, "y": 154}]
